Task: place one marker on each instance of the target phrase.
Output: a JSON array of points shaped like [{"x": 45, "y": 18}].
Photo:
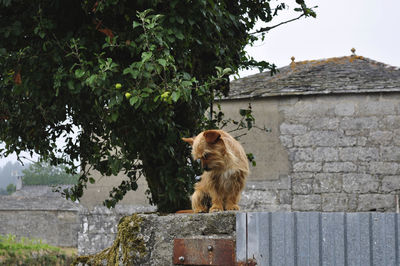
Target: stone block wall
[
  {"x": 157, "y": 232},
  {"x": 52, "y": 220},
  {"x": 98, "y": 226},
  {"x": 343, "y": 153}
]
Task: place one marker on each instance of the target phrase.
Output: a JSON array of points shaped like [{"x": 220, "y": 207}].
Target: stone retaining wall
[
  {"x": 157, "y": 233},
  {"x": 98, "y": 227}
]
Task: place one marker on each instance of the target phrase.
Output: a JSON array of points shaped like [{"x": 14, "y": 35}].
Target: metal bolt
[
  {"x": 181, "y": 258},
  {"x": 209, "y": 248}
]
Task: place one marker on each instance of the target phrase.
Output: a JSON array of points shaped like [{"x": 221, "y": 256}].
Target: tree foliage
[
  {"x": 11, "y": 188},
  {"x": 133, "y": 76},
  {"x": 45, "y": 174}
]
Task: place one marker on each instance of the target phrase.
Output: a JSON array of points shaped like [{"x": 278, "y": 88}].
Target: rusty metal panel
[{"x": 204, "y": 251}]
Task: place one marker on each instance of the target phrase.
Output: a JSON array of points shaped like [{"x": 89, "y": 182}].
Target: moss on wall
[{"x": 127, "y": 246}]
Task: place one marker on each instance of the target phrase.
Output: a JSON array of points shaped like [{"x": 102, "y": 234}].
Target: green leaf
[
  {"x": 133, "y": 100},
  {"x": 146, "y": 56},
  {"x": 162, "y": 62},
  {"x": 114, "y": 116},
  {"x": 179, "y": 35},
  {"x": 186, "y": 83},
  {"x": 226, "y": 71},
  {"x": 134, "y": 186},
  {"x": 79, "y": 73},
  {"x": 135, "y": 24},
  {"x": 175, "y": 96}
]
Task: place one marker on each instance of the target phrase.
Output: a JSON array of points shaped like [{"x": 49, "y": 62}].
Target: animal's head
[{"x": 209, "y": 147}]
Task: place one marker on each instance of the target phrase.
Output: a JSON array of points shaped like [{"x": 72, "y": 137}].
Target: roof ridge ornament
[{"x": 292, "y": 64}]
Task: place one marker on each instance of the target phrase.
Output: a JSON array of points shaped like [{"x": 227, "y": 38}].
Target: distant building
[{"x": 39, "y": 212}]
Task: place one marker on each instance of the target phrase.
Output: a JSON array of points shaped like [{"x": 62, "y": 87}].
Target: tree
[
  {"x": 11, "y": 188},
  {"x": 45, "y": 174},
  {"x": 134, "y": 76}
]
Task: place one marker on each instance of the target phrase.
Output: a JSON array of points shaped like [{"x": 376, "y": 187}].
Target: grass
[{"x": 32, "y": 252}]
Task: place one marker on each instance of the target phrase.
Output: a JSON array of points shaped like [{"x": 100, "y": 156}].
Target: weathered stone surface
[
  {"x": 307, "y": 167},
  {"x": 359, "y": 153},
  {"x": 335, "y": 202},
  {"x": 326, "y": 154},
  {"x": 390, "y": 122},
  {"x": 302, "y": 175},
  {"x": 381, "y": 137},
  {"x": 324, "y": 123},
  {"x": 390, "y": 153},
  {"x": 98, "y": 227},
  {"x": 306, "y": 203},
  {"x": 158, "y": 232},
  {"x": 286, "y": 140},
  {"x": 285, "y": 198},
  {"x": 325, "y": 182},
  {"x": 302, "y": 186},
  {"x": 345, "y": 109},
  {"x": 360, "y": 183},
  {"x": 359, "y": 123},
  {"x": 376, "y": 202},
  {"x": 380, "y": 107},
  {"x": 257, "y": 199},
  {"x": 301, "y": 154},
  {"x": 282, "y": 183},
  {"x": 292, "y": 129},
  {"x": 391, "y": 183},
  {"x": 339, "y": 167},
  {"x": 383, "y": 168}
]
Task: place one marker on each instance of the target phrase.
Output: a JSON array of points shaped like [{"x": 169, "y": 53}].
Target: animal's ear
[
  {"x": 188, "y": 140},
  {"x": 212, "y": 136}
]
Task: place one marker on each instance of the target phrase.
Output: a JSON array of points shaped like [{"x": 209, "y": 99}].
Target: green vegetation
[
  {"x": 134, "y": 77},
  {"x": 11, "y": 188},
  {"x": 30, "y": 252},
  {"x": 45, "y": 174}
]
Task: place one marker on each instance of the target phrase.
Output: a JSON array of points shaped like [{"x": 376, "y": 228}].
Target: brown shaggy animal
[{"x": 226, "y": 169}]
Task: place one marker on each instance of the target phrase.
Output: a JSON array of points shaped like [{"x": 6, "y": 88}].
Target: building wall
[
  {"x": 52, "y": 220},
  {"x": 324, "y": 153},
  {"x": 96, "y": 193}
]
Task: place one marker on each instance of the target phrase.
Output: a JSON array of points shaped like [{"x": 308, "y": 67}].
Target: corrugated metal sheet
[{"x": 312, "y": 238}]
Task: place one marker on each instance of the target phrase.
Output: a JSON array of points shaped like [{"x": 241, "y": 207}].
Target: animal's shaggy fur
[{"x": 226, "y": 169}]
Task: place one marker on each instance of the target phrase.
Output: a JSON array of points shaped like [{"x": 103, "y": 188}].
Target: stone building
[
  {"x": 39, "y": 213},
  {"x": 334, "y": 139}
]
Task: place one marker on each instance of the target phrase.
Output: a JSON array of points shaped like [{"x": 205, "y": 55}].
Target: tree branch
[{"x": 265, "y": 29}]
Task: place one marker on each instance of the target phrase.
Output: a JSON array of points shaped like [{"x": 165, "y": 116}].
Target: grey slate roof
[
  {"x": 348, "y": 74},
  {"x": 37, "y": 198}
]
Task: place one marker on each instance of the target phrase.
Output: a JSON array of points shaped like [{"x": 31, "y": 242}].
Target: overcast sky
[{"x": 372, "y": 27}]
